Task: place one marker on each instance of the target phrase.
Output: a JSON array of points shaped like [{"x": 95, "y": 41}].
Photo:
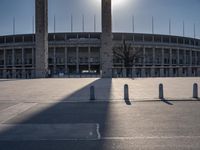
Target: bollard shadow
[
  {"x": 198, "y": 99},
  {"x": 166, "y": 101},
  {"x": 65, "y": 113},
  {"x": 127, "y": 101}
]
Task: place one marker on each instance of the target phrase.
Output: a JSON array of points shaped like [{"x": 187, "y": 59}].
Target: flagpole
[
  {"x": 71, "y": 23},
  {"x": 152, "y": 25},
  {"x": 33, "y": 24},
  {"x": 83, "y": 23},
  {"x": 133, "y": 24},
  {"x": 194, "y": 31},
  {"x": 183, "y": 28},
  {"x": 13, "y": 25},
  {"x": 94, "y": 23},
  {"x": 169, "y": 26},
  {"x": 54, "y": 28}
]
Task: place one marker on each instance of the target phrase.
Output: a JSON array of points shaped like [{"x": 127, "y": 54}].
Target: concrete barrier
[
  {"x": 195, "y": 90},
  {"x": 161, "y": 91},
  {"x": 92, "y": 93},
  {"x": 126, "y": 92}
]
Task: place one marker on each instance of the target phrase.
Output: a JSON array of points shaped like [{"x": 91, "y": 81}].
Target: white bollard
[
  {"x": 126, "y": 92},
  {"x": 195, "y": 90},
  {"x": 161, "y": 91},
  {"x": 92, "y": 93}
]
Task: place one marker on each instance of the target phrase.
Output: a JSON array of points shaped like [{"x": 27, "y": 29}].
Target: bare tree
[{"x": 127, "y": 54}]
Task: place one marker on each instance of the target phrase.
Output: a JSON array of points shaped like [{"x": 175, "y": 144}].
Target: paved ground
[
  {"x": 42, "y": 115},
  {"x": 52, "y": 90}
]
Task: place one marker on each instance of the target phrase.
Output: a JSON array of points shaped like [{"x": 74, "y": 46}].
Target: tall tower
[
  {"x": 41, "y": 13},
  {"x": 106, "y": 40}
]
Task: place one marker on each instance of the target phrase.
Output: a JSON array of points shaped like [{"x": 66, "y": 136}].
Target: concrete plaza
[
  {"x": 56, "y": 114},
  {"x": 63, "y": 90}
]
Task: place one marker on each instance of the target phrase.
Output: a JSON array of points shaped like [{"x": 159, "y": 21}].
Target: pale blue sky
[{"x": 143, "y": 10}]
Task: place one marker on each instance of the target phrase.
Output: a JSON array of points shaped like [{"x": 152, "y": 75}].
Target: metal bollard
[
  {"x": 126, "y": 92},
  {"x": 92, "y": 93},
  {"x": 195, "y": 90},
  {"x": 161, "y": 91}
]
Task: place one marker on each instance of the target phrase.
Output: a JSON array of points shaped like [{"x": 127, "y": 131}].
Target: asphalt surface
[{"x": 119, "y": 125}]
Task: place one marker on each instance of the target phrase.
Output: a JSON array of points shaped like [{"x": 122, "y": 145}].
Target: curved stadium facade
[{"x": 78, "y": 55}]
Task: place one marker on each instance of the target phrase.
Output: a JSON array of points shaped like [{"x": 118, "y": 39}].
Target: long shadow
[
  {"x": 6, "y": 80},
  {"x": 166, "y": 101},
  {"x": 64, "y": 112}
]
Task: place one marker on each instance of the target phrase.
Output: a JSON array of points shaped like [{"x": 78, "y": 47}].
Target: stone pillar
[
  {"x": 133, "y": 72},
  {"x": 152, "y": 72},
  {"x": 4, "y": 58},
  {"x": 77, "y": 60},
  {"x": 170, "y": 57},
  {"x": 171, "y": 72},
  {"x": 13, "y": 64},
  {"x": 144, "y": 56},
  {"x": 23, "y": 65},
  {"x": 178, "y": 56},
  {"x": 163, "y": 57},
  {"x": 66, "y": 60},
  {"x": 106, "y": 40},
  {"x": 143, "y": 73},
  {"x": 41, "y": 13},
  {"x": 154, "y": 56},
  {"x": 162, "y": 72},
  {"x": 89, "y": 56},
  {"x": 180, "y": 72},
  {"x": 54, "y": 61}
]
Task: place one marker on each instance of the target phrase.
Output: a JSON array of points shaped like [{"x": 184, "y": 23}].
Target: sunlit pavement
[{"x": 48, "y": 116}]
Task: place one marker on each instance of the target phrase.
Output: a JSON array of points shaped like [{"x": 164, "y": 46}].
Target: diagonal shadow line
[
  {"x": 166, "y": 101},
  {"x": 67, "y": 113}
]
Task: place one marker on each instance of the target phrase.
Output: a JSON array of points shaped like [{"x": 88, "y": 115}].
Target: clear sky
[{"x": 123, "y": 10}]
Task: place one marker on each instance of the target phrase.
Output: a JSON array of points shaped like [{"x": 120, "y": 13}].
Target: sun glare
[{"x": 118, "y": 3}]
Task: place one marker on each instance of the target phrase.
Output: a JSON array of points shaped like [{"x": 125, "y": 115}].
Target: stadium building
[{"x": 91, "y": 54}]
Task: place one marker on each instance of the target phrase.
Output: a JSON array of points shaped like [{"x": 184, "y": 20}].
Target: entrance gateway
[{"x": 106, "y": 56}]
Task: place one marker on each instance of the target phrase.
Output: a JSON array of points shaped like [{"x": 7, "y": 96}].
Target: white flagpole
[
  {"x": 33, "y": 24},
  {"x": 13, "y": 25},
  {"x": 133, "y": 23},
  {"x": 83, "y": 23},
  {"x": 152, "y": 25},
  {"x": 169, "y": 26},
  {"x": 54, "y": 28},
  {"x": 194, "y": 31},
  {"x": 183, "y": 28},
  {"x": 71, "y": 23},
  {"x": 94, "y": 23}
]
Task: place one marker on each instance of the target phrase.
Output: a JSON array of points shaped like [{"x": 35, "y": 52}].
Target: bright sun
[{"x": 118, "y": 2}]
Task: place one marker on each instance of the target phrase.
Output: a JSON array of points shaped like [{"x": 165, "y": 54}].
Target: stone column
[
  {"x": 41, "y": 13},
  {"x": 154, "y": 56},
  {"x": 106, "y": 40},
  {"x": 13, "y": 64},
  {"x": 89, "y": 56},
  {"x": 163, "y": 57},
  {"x": 66, "y": 60},
  {"x": 170, "y": 57},
  {"x": 4, "y": 58},
  {"x": 23, "y": 65},
  {"x": 77, "y": 60},
  {"x": 178, "y": 56},
  {"x": 152, "y": 72},
  {"x": 144, "y": 56},
  {"x": 133, "y": 72},
  {"x": 54, "y": 60}
]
